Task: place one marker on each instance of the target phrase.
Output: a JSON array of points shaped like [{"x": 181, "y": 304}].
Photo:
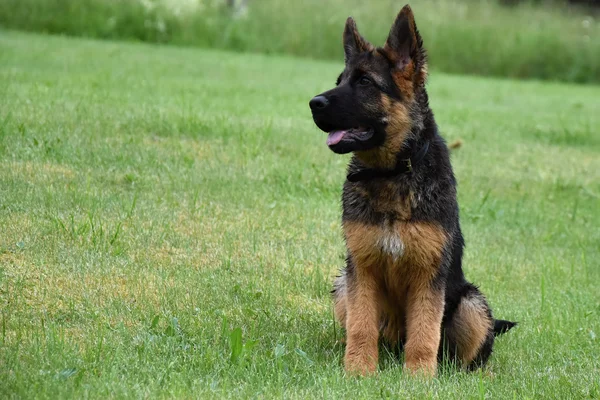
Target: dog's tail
[{"x": 502, "y": 326}]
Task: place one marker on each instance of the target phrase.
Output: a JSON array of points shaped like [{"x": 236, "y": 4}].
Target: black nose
[{"x": 318, "y": 103}]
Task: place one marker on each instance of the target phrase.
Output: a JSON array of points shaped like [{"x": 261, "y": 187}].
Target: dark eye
[{"x": 363, "y": 81}]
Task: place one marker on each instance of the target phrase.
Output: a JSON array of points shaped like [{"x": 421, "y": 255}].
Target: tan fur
[
  {"x": 407, "y": 76},
  {"x": 362, "y": 324},
  {"x": 340, "y": 307},
  {"x": 424, "y": 304},
  {"x": 362, "y": 242},
  {"x": 391, "y": 286},
  {"x": 407, "y": 79},
  {"x": 469, "y": 329},
  {"x": 394, "y": 330},
  {"x": 424, "y": 243},
  {"x": 399, "y": 125},
  {"x": 404, "y": 80},
  {"x": 424, "y": 319}
]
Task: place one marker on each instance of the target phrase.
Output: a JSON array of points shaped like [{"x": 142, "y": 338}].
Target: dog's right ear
[{"x": 353, "y": 42}]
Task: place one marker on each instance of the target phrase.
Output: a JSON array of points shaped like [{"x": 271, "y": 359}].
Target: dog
[{"x": 403, "y": 280}]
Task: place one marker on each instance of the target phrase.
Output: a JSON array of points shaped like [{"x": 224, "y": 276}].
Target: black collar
[{"x": 403, "y": 165}]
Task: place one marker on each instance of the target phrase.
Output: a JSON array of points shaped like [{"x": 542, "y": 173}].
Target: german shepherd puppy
[{"x": 403, "y": 277}]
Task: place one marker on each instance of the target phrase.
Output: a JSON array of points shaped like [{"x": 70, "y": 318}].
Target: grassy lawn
[{"x": 170, "y": 227}]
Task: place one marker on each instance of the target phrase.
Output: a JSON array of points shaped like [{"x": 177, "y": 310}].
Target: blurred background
[{"x": 551, "y": 40}]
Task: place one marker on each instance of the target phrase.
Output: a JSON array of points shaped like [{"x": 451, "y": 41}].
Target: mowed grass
[{"x": 170, "y": 227}]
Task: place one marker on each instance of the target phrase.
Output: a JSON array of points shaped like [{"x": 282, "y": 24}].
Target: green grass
[
  {"x": 170, "y": 227},
  {"x": 537, "y": 39}
]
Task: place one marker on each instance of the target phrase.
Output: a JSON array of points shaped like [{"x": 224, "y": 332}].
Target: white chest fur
[{"x": 391, "y": 244}]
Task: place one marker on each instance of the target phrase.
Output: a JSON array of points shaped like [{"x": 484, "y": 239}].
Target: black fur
[{"x": 502, "y": 326}]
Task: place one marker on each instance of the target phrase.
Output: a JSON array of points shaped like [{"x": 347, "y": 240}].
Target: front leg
[
  {"x": 362, "y": 323},
  {"x": 424, "y": 323}
]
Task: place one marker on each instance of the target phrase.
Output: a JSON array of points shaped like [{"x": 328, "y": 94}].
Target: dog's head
[{"x": 374, "y": 104}]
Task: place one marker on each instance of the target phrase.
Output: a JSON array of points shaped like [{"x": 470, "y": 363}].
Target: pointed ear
[
  {"x": 353, "y": 42},
  {"x": 404, "y": 44}
]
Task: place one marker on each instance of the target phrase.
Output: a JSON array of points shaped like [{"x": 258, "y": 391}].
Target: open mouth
[{"x": 360, "y": 134}]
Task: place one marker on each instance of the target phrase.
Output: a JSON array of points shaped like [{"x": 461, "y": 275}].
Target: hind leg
[{"x": 469, "y": 334}]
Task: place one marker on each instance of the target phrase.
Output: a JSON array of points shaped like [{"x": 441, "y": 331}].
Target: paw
[
  {"x": 421, "y": 369},
  {"x": 360, "y": 367}
]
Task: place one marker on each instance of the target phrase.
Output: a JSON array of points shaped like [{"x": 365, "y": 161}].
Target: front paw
[
  {"x": 421, "y": 368},
  {"x": 360, "y": 365}
]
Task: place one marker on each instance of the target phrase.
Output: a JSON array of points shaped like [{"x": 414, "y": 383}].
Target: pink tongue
[{"x": 335, "y": 137}]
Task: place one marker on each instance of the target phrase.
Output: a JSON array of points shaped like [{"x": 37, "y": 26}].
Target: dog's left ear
[{"x": 404, "y": 47}]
